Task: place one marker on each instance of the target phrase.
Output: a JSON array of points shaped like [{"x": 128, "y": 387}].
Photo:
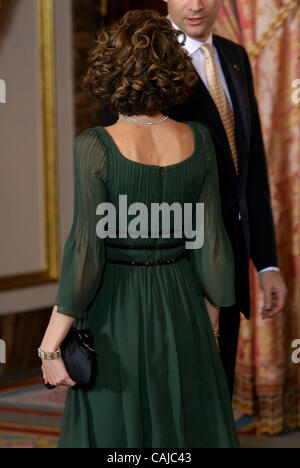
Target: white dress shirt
[{"x": 193, "y": 47}]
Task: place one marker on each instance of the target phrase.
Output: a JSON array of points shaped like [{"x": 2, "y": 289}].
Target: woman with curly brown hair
[{"x": 151, "y": 301}]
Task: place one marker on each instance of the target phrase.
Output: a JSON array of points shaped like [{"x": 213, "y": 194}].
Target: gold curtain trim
[{"x": 278, "y": 22}]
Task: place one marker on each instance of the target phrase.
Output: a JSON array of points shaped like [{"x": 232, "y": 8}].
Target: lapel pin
[{"x": 237, "y": 67}]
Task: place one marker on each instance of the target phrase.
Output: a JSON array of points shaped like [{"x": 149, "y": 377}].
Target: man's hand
[{"x": 275, "y": 293}]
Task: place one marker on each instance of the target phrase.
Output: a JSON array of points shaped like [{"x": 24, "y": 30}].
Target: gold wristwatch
[{"x": 47, "y": 356}]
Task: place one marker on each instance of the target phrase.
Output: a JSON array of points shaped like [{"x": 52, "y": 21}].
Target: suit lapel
[
  {"x": 233, "y": 74},
  {"x": 209, "y": 114}
]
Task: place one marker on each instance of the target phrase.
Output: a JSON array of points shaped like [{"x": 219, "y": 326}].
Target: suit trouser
[
  {"x": 229, "y": 331},
  {"x": 230, "y": 317}
]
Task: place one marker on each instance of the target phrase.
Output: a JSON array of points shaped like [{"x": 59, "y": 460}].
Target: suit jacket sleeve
[{"x": 263, "y": 250}]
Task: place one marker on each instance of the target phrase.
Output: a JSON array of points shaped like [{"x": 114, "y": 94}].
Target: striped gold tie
[{"x": 220, "y": 98}]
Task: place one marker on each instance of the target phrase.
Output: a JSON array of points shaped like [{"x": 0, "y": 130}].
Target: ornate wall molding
[{"x": 45, "y": 27}]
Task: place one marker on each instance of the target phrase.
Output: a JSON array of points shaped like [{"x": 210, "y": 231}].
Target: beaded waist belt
[{"x": 147, "y": 247}]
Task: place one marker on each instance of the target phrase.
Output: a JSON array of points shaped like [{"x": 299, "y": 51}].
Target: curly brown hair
[{"x": 138, "y": 65}]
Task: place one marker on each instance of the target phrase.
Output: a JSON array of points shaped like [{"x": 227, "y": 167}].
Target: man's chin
[{"x": 197, "y": 33}]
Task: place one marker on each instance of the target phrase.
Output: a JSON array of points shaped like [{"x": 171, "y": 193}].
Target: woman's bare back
[{"x": 163, "y": 144}]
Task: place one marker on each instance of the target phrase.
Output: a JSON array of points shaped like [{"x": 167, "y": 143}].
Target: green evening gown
[{"x": 159, "y": 379}]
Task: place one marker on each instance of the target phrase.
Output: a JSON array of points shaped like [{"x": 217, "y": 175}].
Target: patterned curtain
[{"x": 268, "y": 382}]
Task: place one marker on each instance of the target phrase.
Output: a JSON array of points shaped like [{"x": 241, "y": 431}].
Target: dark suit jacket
[{"x": 254, "y": 236}]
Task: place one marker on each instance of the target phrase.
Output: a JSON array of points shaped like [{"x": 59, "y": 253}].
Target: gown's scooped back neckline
[{"x": 157, "y": 166}]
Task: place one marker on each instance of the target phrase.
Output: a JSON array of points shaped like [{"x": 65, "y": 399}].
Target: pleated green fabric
[{"x": 159, "y": 381}]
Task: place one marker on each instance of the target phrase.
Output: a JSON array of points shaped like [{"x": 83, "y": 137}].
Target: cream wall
[{"x": 28, "y": 255}]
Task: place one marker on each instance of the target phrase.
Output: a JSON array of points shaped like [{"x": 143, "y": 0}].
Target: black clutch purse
[{"x": 79, "y": 356}]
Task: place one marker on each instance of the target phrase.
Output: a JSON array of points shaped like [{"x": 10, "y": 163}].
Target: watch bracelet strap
[{"x": 48, "y": 356}]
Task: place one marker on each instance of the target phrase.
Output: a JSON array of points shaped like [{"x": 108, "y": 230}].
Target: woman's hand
[{"x": 55, "y": 373}]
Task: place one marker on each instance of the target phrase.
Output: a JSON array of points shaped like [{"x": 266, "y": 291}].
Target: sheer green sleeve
[
  {"x": 214, "y": 261},
  {"x": 84, "y": 252}
]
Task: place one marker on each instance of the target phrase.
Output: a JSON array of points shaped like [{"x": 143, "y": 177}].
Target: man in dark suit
[{"x": 224, "y": 101}]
